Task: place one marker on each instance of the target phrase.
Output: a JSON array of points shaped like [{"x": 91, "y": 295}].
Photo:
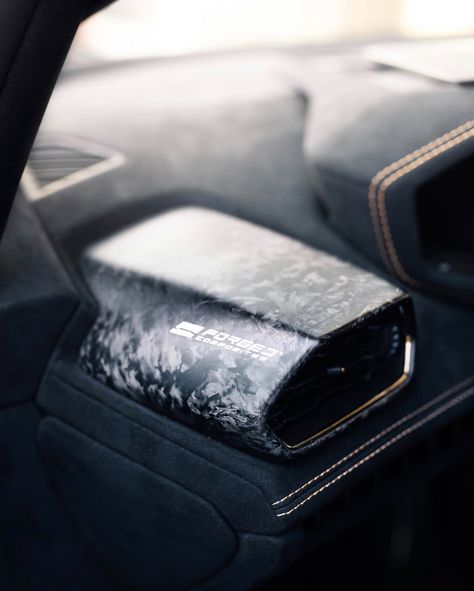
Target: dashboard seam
[
  {"x": 208, "y": 461},
  {"x": 382, "y": 180},
  {"x": 442, "y": 397},
  {"x": 439, "y": 411}
]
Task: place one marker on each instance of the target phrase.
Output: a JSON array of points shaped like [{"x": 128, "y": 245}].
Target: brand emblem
[{"x": 224, "y": 340}]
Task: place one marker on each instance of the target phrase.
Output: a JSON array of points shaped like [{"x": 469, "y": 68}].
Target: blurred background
[{"x": 145, "y": 28}]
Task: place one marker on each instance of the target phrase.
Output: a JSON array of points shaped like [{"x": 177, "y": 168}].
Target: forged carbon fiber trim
[{"x": 206, "y": 318}]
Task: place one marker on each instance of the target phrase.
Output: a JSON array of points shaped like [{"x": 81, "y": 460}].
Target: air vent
[
  {"x": 55, "y": 164},
  {"x": 445, "y": 225},
  {"x": 343, "y": 378}
]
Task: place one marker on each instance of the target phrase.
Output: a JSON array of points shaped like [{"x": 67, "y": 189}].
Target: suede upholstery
[
  {"x": 236, "y": 145},
  {"x": 374, "y": 138}
]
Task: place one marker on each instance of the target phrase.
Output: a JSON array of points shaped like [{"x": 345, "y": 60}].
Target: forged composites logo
[{"x": 224, "y": 340}]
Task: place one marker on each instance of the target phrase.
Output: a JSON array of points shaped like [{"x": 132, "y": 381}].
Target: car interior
[{"x": 236, "y": 316}]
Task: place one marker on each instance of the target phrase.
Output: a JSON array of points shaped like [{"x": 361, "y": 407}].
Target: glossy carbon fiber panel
[{"x": 207, "y": 318}]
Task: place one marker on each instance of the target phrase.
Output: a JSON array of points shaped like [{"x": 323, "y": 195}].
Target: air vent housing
[
  {"x": 59, "y": 162},
  {"x": 357, "y": 366},
  {"x": 243, "y": 333}
]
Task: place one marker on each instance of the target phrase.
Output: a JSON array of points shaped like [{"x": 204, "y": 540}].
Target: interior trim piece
[
  {"x": 375, "y": 438},
  {"x": 36, "y": 47},
  {"x": 407, "y": 371},
  {"x": 448, "y": 404},
  {"x": 225, "y": 339},
  {"x": 110, "y": 160},
  {"x": 393, "y": 172}
]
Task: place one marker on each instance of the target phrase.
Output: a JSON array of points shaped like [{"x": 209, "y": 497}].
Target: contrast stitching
[
  {"x": 401, "y": 162},
  {"x": 389, "y": 443},
  {"x": 395, "y": 260},
  {"x": 375, "y": 438},
  {"x": 396, "y": 170},
  {"x": 420, "y": 151}
]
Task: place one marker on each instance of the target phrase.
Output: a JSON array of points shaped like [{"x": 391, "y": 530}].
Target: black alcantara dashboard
[{"x": 323, "y": 149}]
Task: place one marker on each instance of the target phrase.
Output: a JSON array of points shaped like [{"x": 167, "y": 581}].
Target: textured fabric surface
[
  {"x": 158, "y": 534},
  {"x": 315, "y": 123},
  {"x": 227, "y": 133},
  {"x": 32, "y": 284},
  {"x": 374, "y": 138},
  {"x": 41, "y": 548},
  {"x": 34, "y": 46}
]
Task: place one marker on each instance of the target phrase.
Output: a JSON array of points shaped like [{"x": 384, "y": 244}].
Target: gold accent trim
[{"x": 407, "y": 371}]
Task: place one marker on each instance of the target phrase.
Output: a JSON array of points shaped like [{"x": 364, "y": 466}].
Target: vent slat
[
  {"x": 49, "y": 163},
  {"x": 57, "y": 163},
  {"x": 340, "y": 376}
]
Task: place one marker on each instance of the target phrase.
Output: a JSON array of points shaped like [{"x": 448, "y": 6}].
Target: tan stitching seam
[
  {"x": 387, "y": 234},
  {"x": 396, "y": 170},
  {"x": 389, "y": 443},
  {"x": 375, "y": 438},
  {"x": 421, "y": 150}
]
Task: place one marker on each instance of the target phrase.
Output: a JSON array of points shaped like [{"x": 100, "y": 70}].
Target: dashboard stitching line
[
  {"x": 393, "y": 172},
  {"x": 439, "y": 411},
  {"x": 374, "y": 439}
]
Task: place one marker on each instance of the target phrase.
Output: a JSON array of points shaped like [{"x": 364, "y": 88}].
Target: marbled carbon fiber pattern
[{"x": 220, "y": 273}]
